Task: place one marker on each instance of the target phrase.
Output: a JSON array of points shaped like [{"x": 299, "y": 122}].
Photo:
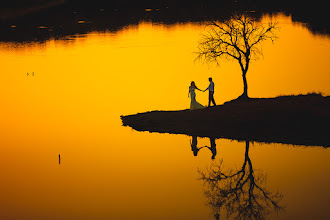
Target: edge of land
[{"x": 295, "y": 119}]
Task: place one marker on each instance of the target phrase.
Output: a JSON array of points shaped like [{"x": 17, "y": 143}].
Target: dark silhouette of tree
[
  {"x": 239, "y": 38},
  {"x": 241, "y": 192}
]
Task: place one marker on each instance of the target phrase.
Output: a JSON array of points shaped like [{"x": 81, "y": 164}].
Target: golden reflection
[
  {"x": 70, "y": 110},
  {"x": 241, "y": 193},
  {"x": 195, "y": 148},
  {"x": 106, "y": 75}
]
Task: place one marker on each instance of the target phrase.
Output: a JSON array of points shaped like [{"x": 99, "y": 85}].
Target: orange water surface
[{"x": 65, "y": 97}]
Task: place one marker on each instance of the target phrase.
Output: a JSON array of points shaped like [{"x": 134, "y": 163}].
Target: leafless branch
[
  {"x": 242, "y": 192},
  {"x": 239, "y": 38}
]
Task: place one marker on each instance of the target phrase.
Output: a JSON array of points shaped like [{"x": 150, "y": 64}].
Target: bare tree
[
  {"x": 242, "y": 193},
  {"x": 239, "y": 38}
]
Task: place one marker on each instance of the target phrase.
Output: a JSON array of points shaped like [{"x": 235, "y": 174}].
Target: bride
[{"x": 194, "y": 104}]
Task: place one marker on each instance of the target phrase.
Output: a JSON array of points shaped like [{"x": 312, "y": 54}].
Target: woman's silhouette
[
  {"x": 194, "y": 104},
  {"x": 193, "y": 144}
]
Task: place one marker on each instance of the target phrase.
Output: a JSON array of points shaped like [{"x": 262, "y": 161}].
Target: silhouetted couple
[
  {"x": 195, "y": 149},
  {"x": 194, "y": 104}
]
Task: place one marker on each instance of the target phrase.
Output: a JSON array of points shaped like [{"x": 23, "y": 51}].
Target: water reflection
[
  {"x": 72, "y": 107},
  {"x": 240, "y": 193},
  {"x": 22, "y": 22},
  {"x": 195, "y": 149}
]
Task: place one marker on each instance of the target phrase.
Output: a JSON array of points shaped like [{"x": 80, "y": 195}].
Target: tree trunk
[
  {"x": 245, "y": 93},
  {"x": 244, "y": 71}
]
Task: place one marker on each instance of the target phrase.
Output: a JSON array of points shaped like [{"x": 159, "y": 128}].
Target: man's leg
[{"x": 212, "y": 98}]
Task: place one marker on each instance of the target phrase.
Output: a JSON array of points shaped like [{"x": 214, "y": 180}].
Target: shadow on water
[
  {"x": 29, "y": 20},
  {"x": 239, "y": 193},
  {"x": 195, "y": 149}
]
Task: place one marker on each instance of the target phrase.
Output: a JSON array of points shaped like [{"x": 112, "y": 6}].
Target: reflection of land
[
  {"x": 59, "y": 18},
  {"x": 298, "y": 120},
  {"x": 241, "y": 193}
]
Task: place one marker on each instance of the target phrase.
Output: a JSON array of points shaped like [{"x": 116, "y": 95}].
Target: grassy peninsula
[{"x": 299, "y": 120}]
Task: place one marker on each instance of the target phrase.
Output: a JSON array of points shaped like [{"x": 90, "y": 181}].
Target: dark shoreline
[
  {"x": 20, "y": 20},
  {"x": 297, "y": 120}
]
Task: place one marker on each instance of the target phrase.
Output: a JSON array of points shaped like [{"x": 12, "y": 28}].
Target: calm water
[{"x": 66, "y": 97}]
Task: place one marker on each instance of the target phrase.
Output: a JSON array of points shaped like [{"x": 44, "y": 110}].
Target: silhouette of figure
[
  {"x": 59, "y": 159},
  {"x": 211, "y": 92},
  {"x": 213, "y": 148},
  {"x": 194, "y": 147},
  {"x": 194, "y": 104}
]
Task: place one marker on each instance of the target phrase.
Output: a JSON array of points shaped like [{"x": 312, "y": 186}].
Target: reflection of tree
[{"x": 242, "y": 193}]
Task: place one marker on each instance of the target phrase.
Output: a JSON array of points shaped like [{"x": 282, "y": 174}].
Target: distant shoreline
[
  {"x": 20, "y": 19},
  {"x": 298, "y": 120},
  {"x": 31, "y": 7}
]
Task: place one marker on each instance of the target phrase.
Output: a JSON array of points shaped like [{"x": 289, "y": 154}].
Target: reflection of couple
[
  {"x": 195, "y": 149},
  {"x": 194, "y": 104}
]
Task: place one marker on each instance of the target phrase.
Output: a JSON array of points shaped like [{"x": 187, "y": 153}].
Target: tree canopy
[{"x": 239, "y": 38}]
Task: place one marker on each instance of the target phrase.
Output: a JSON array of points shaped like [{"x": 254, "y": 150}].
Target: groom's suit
[{"x": 211, "y": 93}]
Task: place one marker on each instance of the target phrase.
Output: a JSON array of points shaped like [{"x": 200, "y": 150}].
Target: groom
[{"x": 211, "y": 92}]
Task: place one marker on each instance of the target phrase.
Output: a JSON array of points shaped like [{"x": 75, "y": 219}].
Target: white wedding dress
[{"x": 194, "y": 104}]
